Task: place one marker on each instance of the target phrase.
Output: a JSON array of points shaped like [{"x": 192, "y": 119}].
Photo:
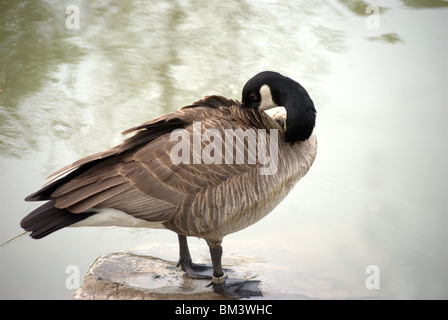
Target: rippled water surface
[{"x": 375, "y": 196}]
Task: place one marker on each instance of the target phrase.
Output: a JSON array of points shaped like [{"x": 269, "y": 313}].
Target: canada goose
[{"x": 138, "y": 184}]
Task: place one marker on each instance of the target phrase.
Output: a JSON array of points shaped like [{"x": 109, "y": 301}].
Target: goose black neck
[{"x": 301, "y": 114}]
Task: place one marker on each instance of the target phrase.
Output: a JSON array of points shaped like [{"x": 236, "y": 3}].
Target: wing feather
[
  {"x": 87, "y": 204},
  {"x": 139, "y": 178}
]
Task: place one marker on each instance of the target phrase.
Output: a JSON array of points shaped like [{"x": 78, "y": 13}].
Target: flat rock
[{"x": 128, "y": 276}]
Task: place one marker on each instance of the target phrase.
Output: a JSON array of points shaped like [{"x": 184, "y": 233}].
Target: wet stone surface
[{"x": 126, "y": 276}]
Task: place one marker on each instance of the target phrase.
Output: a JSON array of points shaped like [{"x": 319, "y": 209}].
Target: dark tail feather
[{"x": 47, "y": 219}]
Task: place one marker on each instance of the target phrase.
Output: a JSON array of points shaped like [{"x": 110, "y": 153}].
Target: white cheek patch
[{"x": 266, "y": 98}]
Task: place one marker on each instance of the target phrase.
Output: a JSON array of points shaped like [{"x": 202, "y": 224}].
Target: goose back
[{"x": 209, "y": 201}]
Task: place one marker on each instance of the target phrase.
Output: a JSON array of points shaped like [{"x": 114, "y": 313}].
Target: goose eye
[{"x": 253, "y": 97}]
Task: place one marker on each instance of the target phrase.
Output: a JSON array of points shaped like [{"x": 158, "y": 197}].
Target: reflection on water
[
  {"x": 146, "y": 58},
  {"x": 375, "y": 195},
  {"x": 387, "y": 37}
]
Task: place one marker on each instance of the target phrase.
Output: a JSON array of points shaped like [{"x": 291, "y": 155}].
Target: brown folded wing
[{"x": 139, "y": 177}]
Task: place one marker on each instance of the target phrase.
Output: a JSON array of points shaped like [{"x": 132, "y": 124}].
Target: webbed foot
[
  {"x": 236, "y": 288},
  {"x": 195, "y": 271}
]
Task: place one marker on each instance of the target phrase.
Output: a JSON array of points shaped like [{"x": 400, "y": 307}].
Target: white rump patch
[{"x": 111, "y": 217}]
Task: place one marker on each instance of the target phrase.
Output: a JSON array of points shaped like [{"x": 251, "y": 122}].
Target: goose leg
[
  {"x": 192, "y": 270},
  {"x": 230, "y": 287}
]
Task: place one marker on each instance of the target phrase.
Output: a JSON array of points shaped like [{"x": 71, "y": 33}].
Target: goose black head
[{"x": 269, "y": 89}]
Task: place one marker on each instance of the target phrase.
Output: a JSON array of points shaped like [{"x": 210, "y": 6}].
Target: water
[{"x": 376, "y": 194}]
